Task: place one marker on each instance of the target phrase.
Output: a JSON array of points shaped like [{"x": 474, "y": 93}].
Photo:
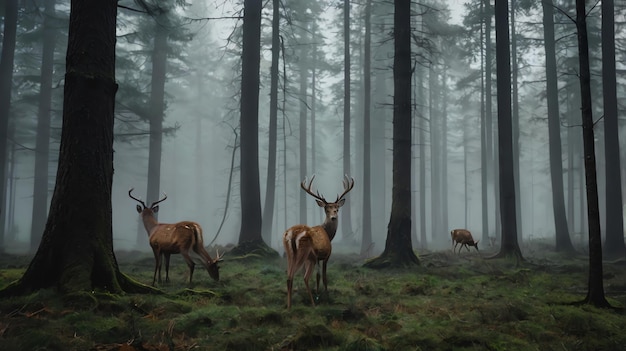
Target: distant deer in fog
[{"x": 463, "y": 237}]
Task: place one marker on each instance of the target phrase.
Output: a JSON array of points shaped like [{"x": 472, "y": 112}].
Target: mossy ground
[{"x": 450, "y": 302}]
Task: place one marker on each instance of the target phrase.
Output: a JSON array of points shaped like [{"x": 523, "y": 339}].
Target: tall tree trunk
[
  {"x": 270, "y": 187},
  {"x": 42, "y": 141},
  {"x": 435, "y": 160},
  {"x": 346, "y": 217},
  {"x": 614, "y": 244},
  {"x": 563, "y": 242},
  {"x": 367, "y": 87},
  {"x": 76, "y": 251},
  {"x": 398, "y": 249},
  {"x": 250, "y": 238},
  {"x": 515, "y": 119},
  {"x": 595, "y": 293},
  {"x": 486, "y": 123},
  {"x": 444, "y": 157},
  {"x": 422, "y": 156},
  {"x": 510, "y": 244},
  {"x": 157, "y": 112},
  {"x": 302, "y": 158},
  {"x": 6, "y": 81}
]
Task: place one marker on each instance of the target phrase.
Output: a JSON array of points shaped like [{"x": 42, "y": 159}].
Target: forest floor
[{"x": 450, "y": 302}]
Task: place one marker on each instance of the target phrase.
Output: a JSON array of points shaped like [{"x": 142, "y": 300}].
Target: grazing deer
[
  {"x": 308, "y": 246},
  {"x": 463, "y": 237},
  {"x": 166, "y": 239}
]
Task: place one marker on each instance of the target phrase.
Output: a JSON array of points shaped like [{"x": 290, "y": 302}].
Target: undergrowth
[{"x": 450, "y": 302}]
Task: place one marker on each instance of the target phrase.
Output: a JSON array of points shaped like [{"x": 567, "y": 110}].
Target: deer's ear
[
  {"x": 320, "y": 203},
  {"x": 139, "y": 209},
  {"x": 155, "y": 209},
  {"x": 341, "y": 202}
]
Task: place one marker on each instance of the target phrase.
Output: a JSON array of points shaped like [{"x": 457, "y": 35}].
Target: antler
[
  {"x": 136, "y": 199},
  {"x": 348, "y": 184},
  {"x": 156, "y": 202},
  {"x": 308, "y": 189},
  {"x": 143, "y": 203}
]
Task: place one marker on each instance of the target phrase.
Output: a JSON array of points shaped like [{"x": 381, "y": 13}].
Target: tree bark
[
  {"x": 157, "y": 112},
  {"x": 366, "y": 240},
  {"x": 614, "y": 244},
  {"x": 486, "y": 153},
  {"x": 270, "y": 187},
  {"x": 250, "y": 237},
  {"x": 595, "y": 292},
  {"x": 346, "y": 213},
  {"x": 398, "y": 249},
  {"x": 510, "y": 246},
  {"x": 76, "y": 251},
  {"x": 563, "y": 242}
]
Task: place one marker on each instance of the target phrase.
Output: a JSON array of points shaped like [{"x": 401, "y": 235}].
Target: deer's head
[
  {"x": 146, "y": 210},
  {"x": 331, "y": 209}
]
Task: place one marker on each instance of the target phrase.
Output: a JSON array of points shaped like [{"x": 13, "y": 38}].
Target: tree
[
  {"x": 42, "y": 146},
  {"x": 76, "y": 250},
  {"x": 509, "y": 244},
  {"x": 486, "y": 152},
  {"x": 346, "y": 221},
  {"x": 595, "y": 291},
  {"x": 398, "y": 249},
  {"x": 366, "y": 241},
  {"x": 270, "y": 188},
  {"x": 614, "y": 243},
  {"x": 250, "y": 237},
  {"x": 6, "y": 80},
  {"x": 563, "y": 242},
  {"x": 156, "y": 106}
]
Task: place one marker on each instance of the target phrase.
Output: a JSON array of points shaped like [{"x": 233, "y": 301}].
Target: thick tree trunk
[
  {"x": 250, "y": 238},
  {"x": 398, "y": 249},
  {"x": 76, "y": 251},
  {"x": 510, "y": 246}
]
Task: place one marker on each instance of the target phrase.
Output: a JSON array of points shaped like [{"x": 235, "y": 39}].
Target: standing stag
[
  {"x": 166, "y": 239},
  {"x": 308, "y": 246}
]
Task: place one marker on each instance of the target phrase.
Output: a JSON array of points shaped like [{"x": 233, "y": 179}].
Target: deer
[
  {"x": 308, "y": 246},
  {"x": 181, "y": 237},
  {"x": 463, "y": 237}
]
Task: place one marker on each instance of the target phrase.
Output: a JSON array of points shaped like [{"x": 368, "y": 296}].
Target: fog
[{"x": 202, "y": 108}]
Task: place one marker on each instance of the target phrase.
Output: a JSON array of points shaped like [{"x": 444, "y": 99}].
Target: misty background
[{"x": 201, "y": 115}]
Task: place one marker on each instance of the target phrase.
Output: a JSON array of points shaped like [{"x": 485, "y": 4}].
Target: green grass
[{"x": 450, "y": 302}]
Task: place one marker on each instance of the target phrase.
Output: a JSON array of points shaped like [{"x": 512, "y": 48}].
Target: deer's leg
[
  {"x": 157, "y": 265},
  {"x": 324, "y": 275},
  {"x": 317, "y": 277},
  {"x": 308, "y": 270},
  {"x": 190, "y": 263},
  {"x": 167, "y": 267}
]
